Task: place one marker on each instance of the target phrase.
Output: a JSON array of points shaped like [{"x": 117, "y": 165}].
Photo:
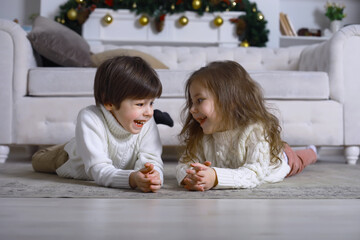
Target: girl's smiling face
[
  {"x": 133, "y": 113},
  {"x": 203, "y": 108}
]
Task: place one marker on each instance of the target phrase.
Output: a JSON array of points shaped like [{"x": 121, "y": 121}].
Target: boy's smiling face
[{"x": 133, "y": 113}]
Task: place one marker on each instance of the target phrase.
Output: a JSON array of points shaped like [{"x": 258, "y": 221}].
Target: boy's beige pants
[{"x": 49, "y": 159}]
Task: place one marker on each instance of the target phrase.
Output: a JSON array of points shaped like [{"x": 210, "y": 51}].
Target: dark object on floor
[{"x": 163, "y": 118}]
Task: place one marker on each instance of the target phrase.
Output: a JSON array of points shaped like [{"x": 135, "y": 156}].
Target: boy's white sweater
[{"x": 105, "y": 152}]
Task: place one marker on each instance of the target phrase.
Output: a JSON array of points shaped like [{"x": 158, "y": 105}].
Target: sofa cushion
[
  {"x": 61, "y": 82},
  {"x": 192, "y": 58},
  {"x": 276, "y": 84},
  {"x": 59, "y": 44},
  {"x": 293, "y": 84},
  {"x": 99, "y": 58},
  {"x": 317, "y": 122}
]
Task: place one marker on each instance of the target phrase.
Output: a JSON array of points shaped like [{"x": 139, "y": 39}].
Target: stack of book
[{"x": 286, "y": 27}]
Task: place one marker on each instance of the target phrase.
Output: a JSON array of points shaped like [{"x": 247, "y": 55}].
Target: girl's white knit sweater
[
  {"x": 240, "y": 157},
  {"x": 105, "y": 152}
]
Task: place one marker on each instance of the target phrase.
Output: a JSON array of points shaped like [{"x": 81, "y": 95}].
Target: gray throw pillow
[{"x": 59, "y": 44}]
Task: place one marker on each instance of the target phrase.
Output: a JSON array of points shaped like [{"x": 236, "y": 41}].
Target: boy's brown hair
[{"x": 124, "y": 77}]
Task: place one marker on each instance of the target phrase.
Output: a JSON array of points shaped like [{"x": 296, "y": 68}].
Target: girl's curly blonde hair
[{"x": 238, "y": 100}]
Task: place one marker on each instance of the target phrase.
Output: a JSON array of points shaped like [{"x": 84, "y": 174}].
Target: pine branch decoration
[{"x": 250, "y": 26}]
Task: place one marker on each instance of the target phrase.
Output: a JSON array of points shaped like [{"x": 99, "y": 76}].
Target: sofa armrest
[
  {"x": 332, "y": 57},
  {"x": 17, "y": 58},
  {"x": 340, "y": 58}
]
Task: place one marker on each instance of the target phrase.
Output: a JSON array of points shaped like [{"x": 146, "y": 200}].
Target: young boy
[{"x": 116, "y": 142}]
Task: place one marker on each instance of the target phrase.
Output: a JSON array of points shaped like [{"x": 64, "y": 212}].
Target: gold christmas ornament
[
  {"x": 207, "y": 9},
  {"x": 196, "y": 4},
  {"x": 260, "y": 16},
  {"x": 134, "y": 5},
  {"x": 107, "y": 18},
  {"x": 72, "y": 14},
  {"x": 80, "y": 1},
  {"x": 172, "y": 7},
  {"x": 218, "y": 21},
  {"x": 244, "y": 43},
  {"x": 143, "y": 20},
  {"x": 60, "y": 20},
  {"x": 183, "y": 21}
]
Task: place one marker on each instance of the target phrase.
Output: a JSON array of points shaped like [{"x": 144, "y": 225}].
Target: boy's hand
[
  {"x": 146, "y": 179},
  {"x": 200, "y": 178}
]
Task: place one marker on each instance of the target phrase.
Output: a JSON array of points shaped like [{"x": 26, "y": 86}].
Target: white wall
[
  {"x": 311, "y": 13},
  {"x": 19, "y": 9},
  {"x": 50, "y": 8},
  {"x": 270, "y": 9}
]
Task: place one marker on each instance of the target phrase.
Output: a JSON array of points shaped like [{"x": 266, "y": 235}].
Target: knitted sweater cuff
[
  {"x": 121, "y": 179},
  {"x": 225, "y": 179},
  {"x": 180, "y": 175}
]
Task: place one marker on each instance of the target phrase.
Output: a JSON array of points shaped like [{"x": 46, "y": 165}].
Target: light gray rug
[{"x": 323, "y": 180}]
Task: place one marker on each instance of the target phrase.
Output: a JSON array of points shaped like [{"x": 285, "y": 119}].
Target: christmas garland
[{"x": 250, "y": 27}]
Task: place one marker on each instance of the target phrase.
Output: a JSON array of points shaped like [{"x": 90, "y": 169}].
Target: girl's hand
[
  {"x": 146, "y": 179},
  {"x": 201, "y": 177}
]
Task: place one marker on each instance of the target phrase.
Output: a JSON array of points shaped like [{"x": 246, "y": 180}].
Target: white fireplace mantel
[
  {"x": 126, "y": 29},
  {"x": 269, "y": 8}
]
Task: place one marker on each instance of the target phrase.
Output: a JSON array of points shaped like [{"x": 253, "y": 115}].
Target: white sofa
[{"x": 316, "y": 89}]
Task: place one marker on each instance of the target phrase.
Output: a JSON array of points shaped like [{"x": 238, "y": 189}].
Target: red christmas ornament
[
  {"x": 160, "y": 22},
  {"x": 110, "y": 3},
  {"x": 162, "y": 17},
  {"x": 234, "y": 20},
  {"x": 92, "y": 7}
]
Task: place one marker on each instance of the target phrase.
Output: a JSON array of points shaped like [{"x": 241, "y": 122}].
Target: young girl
[
  {"x": 231, "y": 139},
  {"x": 116, "y": 142}
]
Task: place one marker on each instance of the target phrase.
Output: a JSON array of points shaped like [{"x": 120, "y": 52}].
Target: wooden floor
[
  {"x": 46, "y": 218},
  {"x": 220, "y": 219}
]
